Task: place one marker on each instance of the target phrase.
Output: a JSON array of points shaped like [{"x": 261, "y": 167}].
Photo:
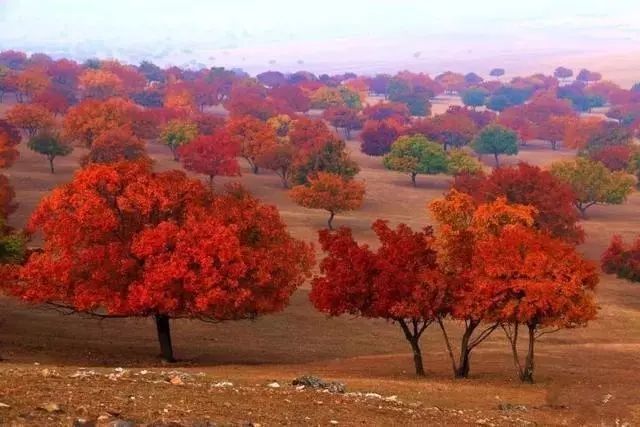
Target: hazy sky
[{"x": 251, "y": 32}]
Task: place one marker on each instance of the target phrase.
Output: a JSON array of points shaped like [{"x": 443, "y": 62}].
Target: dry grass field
[{"x": 587, "y": 376}]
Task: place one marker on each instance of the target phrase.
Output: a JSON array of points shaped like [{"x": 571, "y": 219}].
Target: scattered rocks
[
  {"x": 51, "y": 408},
  {"x": 317, "y": 383},
  {"x": 117, "y": 374},
  {"x": 49, "y": 373},
  {"x": 273, "y": 384},
  {"x": 175, "y": 380},
  {"x": 606, "y": 398},
  {"x": 81, "y": 373},
  {"x": 222, "y": 384},
  {"x": 511, "y": 407}
]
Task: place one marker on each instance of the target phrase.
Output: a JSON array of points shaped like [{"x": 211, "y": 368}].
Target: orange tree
[
  {"x": 330, "y": 192},
  {"x": 86, "y": 121},
  {"x": 30, "y": 118},
  {"x": 120, "y": 241},
  {"x": 116, "y": 145},
  {"x": 253, "y": 136},
  {"x": 462, "y": 224},
  {"x": 400, "y": 281},
  {"x": 541, "y": 283}
]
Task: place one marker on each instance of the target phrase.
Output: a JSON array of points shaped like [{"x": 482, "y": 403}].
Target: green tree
[
  {"x": 496, "y": 140},
  {"x": 460, "y": 162},
  {"x": 474, "y": 97},
  {"x": 51, "y": 145},
  {"x": 415, "y": 155},
  {"x": 593, "y": 183},
  {"x": 350, "y": 97},
  {"x": 176, "y": 133}
]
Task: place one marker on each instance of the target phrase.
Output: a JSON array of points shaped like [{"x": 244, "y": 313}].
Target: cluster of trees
[
  {"x": 121, "y": 240},
  {"x": 491, "y": 265}
]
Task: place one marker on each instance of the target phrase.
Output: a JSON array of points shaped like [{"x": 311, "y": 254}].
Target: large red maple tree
[{"x": 120, "y": 240}]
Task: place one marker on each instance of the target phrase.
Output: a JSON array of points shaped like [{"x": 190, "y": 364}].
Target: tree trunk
[
  {"x": 174, "y": 151},
  {"x": 527, "y": 372},
  {"x": 462, "y": 371},
  {"x": 51, "y": 164},
  {"x": 255, "y": 168},
  {"x": 164, "y": 337},
  {"x": 413, "y": 178},
  {"x": 554, "y": 145},
  {"x": 329, "y": 222},
  {"x": 495, "y": 156},
  {"x": 414, "y": 341},
  {"x": 417, "y": 357}
]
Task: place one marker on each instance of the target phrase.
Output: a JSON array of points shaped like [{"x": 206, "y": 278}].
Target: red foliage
[
  {"x": 52, "y": 100},
  {"x": 451, "y": 130},
  {"x": 7, "y": 196},
  {"x": 211, "y": 155},
  {"x": 400, "y": 281},
  {"x": 377, "y": 136},
  {"x": 253, "y": 136},
  {"x": 208, "y": 123},
  {"x": 9, "y": 139},
  {"x": 87, "y": 120},
  {"x": 343, "y": 117},
  {"x": 292, "y": 97},
  {"x": 614, "y": 157},
  {"x": 480, "y": 118},
  {"x": 529, "y": 185},
  {"x": 122, "y": 239},
  {"x": 397, "y": 111},
  {"x": 622, "y": 260}
]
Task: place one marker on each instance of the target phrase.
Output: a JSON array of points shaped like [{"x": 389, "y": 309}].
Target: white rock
[
  {"x": 222, "y": 384},
  {"x": 273, "y": 385},
  {"x": 4, "y": 405}
]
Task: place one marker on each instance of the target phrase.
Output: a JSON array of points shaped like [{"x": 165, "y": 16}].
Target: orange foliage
[{"x": 329, "y": 192}]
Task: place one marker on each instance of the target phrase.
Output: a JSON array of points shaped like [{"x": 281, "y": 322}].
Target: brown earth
[{"x": 585, "y": 376}]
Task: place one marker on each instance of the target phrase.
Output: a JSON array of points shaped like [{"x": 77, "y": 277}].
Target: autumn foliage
[
  {"x": 330, "y": 192},
  {"x": 124, "y": 241},
  {"x": 211, "y": 155},
  {"x": 400, "y": 281}
]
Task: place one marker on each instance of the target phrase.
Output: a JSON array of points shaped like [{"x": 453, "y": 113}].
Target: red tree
[
  {"x": 9, "y": 139},
  {"x": 377, "y": 136},
  {"x": 388, "y": 110},
  {"x": 120, "y": 240},
  {"x": 343, "y": 117},
  {"x": 400, "y": 281},
  {"x": 451, "y": 130},
  {"x": 622, "y": 260},
  {"x": 211, "y": 155},
  {"x": 525, "y": 184},
  {"x": 116, "y": 145}
]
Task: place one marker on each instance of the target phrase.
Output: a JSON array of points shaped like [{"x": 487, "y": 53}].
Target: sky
[{"x": 330, "y": 34}]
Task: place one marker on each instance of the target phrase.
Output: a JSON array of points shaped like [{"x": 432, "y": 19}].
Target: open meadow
[{"x": 107, "y": 368}]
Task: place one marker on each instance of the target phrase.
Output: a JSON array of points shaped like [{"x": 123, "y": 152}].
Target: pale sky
[{"x": 252, "y": 33}]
